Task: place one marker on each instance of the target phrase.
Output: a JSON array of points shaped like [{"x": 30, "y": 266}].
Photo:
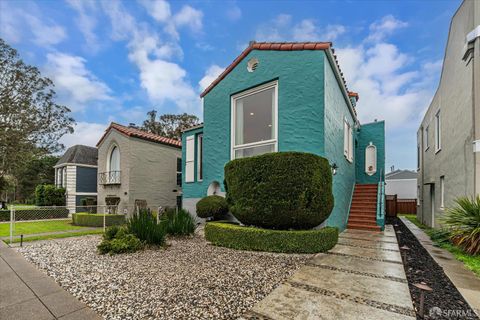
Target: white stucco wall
[{"x": 403, "y": 188}]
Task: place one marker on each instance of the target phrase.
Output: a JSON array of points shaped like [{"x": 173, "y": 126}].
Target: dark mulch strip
[{"x": 420, "y": 267}]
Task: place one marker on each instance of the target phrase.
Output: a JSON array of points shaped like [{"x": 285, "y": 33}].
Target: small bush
[
  {"x": 256, "y": 239},
  {"x": 144, "y": 225},
  {"x": 212, "y": 207},
  {"x": 282, "y": 190},
  {"x": 464, "y": 221},
  {"x": 118, "y": 240},
  {"x": 179, "y": 223},
  {"x": 96, "y": 220},
  {"x": 111, "y": 232},
  {"x": 440, "y": 236}
]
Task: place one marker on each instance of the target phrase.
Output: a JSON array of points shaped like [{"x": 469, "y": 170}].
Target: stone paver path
[
  {"x": 361, "y": 278},
  {"x": 27, "y": 293}
]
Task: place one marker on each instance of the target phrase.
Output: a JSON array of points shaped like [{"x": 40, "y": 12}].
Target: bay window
[{"x": 254, "y": 121}]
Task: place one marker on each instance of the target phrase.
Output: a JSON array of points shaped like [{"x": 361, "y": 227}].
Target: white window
[
  {"x": 190, "y": 159},
  {"x": 64, "y": 177},
  {"x": 114, "y": 161},
  {"x": 347, "y": 140},
  {"x": 442, "y": 192},
  {"x": 371, "y": 159},
  {"x": 200, "y": 157},
  {"x": 254, "y": 121},
  {"x": 438, "y": 127},
  {"x": 425, "y": 139}
]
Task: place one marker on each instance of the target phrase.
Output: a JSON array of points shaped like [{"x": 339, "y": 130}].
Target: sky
[{"x": 116, "y": 60}]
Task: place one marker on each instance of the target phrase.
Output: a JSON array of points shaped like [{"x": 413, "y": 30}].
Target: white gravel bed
[{"x": 190, "y": 279}]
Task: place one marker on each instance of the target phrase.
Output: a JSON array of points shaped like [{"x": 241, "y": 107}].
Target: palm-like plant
[{"x": 464, "y": 220}]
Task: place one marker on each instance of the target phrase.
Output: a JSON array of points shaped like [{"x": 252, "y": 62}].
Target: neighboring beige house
[
  {"x": 136, "y": 167},
  {"x": 449, "y": 136}
]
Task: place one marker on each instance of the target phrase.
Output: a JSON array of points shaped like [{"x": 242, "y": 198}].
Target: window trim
[
  {"x": 425, "y": 137},
  {"x": 187, "y": 139},
  {"x": 199, "y": 156},
  {"x": 348, "y": 133},
  {"x": 109, "y": 157},
  {"x": 442, "y": 192},
  {"x": 246, "y": 93},
  {"x": 438, "y": 136}
]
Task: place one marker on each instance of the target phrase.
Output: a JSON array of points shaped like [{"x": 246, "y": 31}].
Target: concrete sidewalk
[
  {"x": 26, "y": 293},
  {"x": 465, "y": 280},
  {"x": 362, "y": 277}
]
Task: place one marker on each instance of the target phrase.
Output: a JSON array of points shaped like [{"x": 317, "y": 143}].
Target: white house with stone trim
[{"x": 76, "y": 171}]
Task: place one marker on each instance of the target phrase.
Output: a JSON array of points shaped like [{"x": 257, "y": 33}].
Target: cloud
[
  {"x": 13, "y": 22},
  {"x": 163, "y": 80},
  {"x": 211, "y": 74},
  {"x": 86, "y": 133},
  {"x": 86, "y": 21},
  {"x": 76, "y": 85},
  {"x": 158, "y": 9},
  {"x": 234, "y": 13},
  {"x": 188, "y": 17},
  {"x": 283, "y": 28},
  {"x": 379, "y": 30}
]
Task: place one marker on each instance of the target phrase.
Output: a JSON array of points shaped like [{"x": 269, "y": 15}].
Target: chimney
[
  {"x": 392, "y": 168},
  {"x": 353, "y": 96}
]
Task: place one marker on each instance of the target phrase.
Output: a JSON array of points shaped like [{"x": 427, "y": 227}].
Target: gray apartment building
[
  {"x": 137, "y": 167},
  {"x": 448, "y": 148}
]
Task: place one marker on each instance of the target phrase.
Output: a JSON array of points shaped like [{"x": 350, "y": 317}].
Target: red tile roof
[
  {"x": 273, "y": 46},
  {"x": 353, "y": 94},
  {"x": 137, "y": 133}
]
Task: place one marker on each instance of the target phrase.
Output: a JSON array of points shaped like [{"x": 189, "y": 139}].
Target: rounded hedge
[
  {"x": 256, "y": 239},
  {"x": 212, "y": 206},
  {"x": 282, "y": 190}
]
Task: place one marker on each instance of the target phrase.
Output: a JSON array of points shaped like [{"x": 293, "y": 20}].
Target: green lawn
[
  {"x": 38, "y": 227},
  {"x": 60, "y": 235},
  {"x": 471, "y": 262}
]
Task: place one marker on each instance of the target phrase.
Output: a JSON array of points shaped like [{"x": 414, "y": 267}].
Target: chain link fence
[{"x": 18, "y": 223}]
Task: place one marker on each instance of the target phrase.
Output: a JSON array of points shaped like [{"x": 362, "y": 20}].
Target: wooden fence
[{"x": 395, "y": 206}]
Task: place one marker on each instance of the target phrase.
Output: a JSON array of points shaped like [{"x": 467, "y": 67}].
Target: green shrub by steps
[
  {"x": 96, "y": 219},
  {"x": 212, "y": 207},
  {"x": 118, "y": 240},
  {"x": 145, "y": 227},
  {"x": 35, "y": 214},
  {"x": 281, "y": 190},
  {"x": 289, "y": 241},
  {"x": 179, "y": 223}
]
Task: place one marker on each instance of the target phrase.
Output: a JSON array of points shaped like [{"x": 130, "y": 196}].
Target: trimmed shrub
[
  {"x": 212, "y": 207},
  {"x": 282, "y": 190},
  {"x": 35, "y": 214},
  {"x": 179, "y": 223},
  {"x": 256, "y": 239},
  {"x": 96, "y": 220},
  {"x": 118, "y": 240},
  {"x": 145, "y": 227}
]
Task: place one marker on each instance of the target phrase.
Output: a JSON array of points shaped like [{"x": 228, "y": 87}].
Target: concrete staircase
[{"x": 363, "y": 211}]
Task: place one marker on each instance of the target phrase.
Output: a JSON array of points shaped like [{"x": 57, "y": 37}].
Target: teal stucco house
[{"x": 288, "y": 97}]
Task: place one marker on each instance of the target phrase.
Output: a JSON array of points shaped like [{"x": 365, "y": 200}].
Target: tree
[
  {"x": 169, "y": 125},
  {"x": 30, "y": 120},
  {"x": 37, "y": 170}
]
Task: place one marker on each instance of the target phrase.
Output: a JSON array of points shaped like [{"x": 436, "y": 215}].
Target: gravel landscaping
[
  {"x": 420, "y": 267},
  {"x": 189, "y": 279}
]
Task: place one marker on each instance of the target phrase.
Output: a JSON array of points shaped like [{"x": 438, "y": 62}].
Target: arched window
[
  {"x": 371, "y": 159},
  {"x": 114, "y": 161}
]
